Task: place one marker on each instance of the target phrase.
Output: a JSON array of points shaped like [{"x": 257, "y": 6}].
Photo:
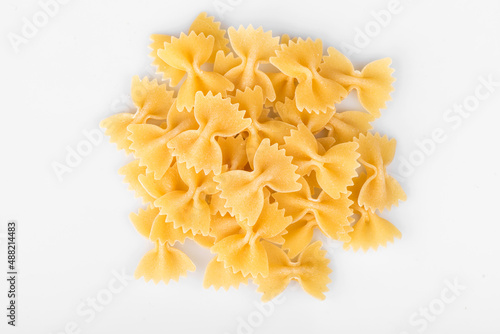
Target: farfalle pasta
[
  {"x": 248, "y": 160},
  {"x": 216, "y": 117}
]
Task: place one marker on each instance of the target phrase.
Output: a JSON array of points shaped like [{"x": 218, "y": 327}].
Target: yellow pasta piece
[
  {"x": 168, "y": 72},
  {"x": 216, "y": 117},
  {"x": 311, "y": 270},
  {"x": 331, "y": 214},
  {"x": 244, "y": 251},
  {"x": 371, "y": 230},
  {"x": 206, "y": 25},
  {"x": 380, "y": 191},
  {"x": 149, "y": 141},
  {"x": 334, "y": 169},
  {"x": 188, "y": 53},
  {"x": 347, "y": 125},
  {"x": 254, "y": 47},
  {"x": 188, "y": 208},
  {"x": 301, "y": 60},
  {"x": 290, "y": 114},
  {"x": 244, "y": 191},
  {"x": 251, "y": 100},
  {"x": 373, "y": 83},
  {"x": 164, "y": 263},
  {"x": 218, "y": 276},
  {"x": 152, "y": 101}
]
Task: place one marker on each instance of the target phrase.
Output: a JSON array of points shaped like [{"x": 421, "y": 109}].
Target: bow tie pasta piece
[
  {"x": 244, "y": 191},
  {"x": 254, "y": 47},
  {"x": 311, "y": 270},
  {"x": 370, "y": 231},
  {"x": 245, "y": 252},
  {"x": 331, "y": 214},
  {"x": 218, "y": 276},
  {"x": 373, "y": 83},
  {"x": 132, "y": 171},
  {"x": 164, "y": 263},
  {"x": 301, "y": 60},
  {"x": 149, "y": 141},
  {"x": 380, "y": 191},
  {"x": 216, "y": 117},
  {"x": 290, "y": 114},
  {"x": 206, "y": 25},
  {"x": 188, "y": 209},
  {"x": 188, "y": 53},
  {"x": 347, "y": 125},
  {"x": 334, "y": 169},
  {"x": 252, "y": 100},
  {"x": 152, "y": 101},
  {"x": 168, "y": 72}
]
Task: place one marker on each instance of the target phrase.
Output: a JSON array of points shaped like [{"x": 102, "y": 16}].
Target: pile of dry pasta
[{"x": 248, "y": 163}]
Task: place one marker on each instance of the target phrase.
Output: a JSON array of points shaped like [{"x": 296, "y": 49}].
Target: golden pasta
[{"x": 249, "y": 160}]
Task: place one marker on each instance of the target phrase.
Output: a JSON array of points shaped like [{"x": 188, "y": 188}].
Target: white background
[{"x": 74, "y": 234}]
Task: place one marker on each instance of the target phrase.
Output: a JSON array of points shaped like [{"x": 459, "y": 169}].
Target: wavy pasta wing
[
  {"x": 207, "y": 25},
  {"x": 218, "y": 276},
  {"x": 254, "y": 47},
  {"x": 188, "y": 53},
  {"x": 172, "y": 74},
  {"x": 132, "y": 171},
  {"x": 216, "y": 117},
  {"x": 164, "y": 263},
  {"x": 144, "y": 219},
  {"x": 243, "y": 191},
  {"x": 224, "y": 62},
  {"x": 165, "y": 232},
  {"x": 373, "y": 83},
  {"x": 301, "y": 60}
]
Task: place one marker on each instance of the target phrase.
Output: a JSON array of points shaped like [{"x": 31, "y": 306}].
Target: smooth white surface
[{"x": 73, "y": 234}]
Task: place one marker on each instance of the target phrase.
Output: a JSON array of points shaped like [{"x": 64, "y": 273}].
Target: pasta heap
[{"x": 248, "y": 163}]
